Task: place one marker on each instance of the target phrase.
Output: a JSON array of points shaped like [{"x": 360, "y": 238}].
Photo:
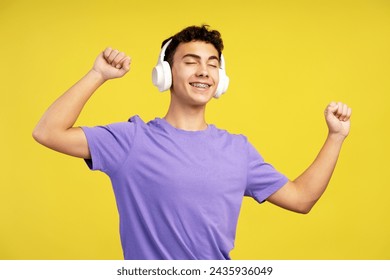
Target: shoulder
[
  {"x": 115, "y": 129},
  {"x": 131, "y": 124},
  {"x": 235, "y": 139},
  {"x": 220, "y": 132},
  {"x": 136, "y": 120},
  {"x": 240, "y": 143}
]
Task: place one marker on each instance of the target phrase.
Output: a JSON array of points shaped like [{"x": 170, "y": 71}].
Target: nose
[{"x": 202, "y": 70}]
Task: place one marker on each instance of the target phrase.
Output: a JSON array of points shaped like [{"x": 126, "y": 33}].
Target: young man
[{"x": 179, "y": 181}]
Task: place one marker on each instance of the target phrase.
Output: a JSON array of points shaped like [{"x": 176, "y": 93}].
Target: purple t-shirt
[{"x": 178, "y": 192}]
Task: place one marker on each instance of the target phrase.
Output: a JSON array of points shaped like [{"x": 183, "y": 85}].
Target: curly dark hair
[{"x": 193, "y": 33}]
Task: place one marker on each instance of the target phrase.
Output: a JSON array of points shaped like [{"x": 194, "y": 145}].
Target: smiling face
[{"x": 195, "y": 73}]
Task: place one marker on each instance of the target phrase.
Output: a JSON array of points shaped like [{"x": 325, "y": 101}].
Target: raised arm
[
  {"x": 301, "y": 194},
  {"x": 55, "y": 128}
]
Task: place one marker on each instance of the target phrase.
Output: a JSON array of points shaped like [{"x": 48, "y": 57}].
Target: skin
[
  {"x": 55, "y": 129},
  {"x": 193, "y": 62},
  {"x": 301, "y": 194}
]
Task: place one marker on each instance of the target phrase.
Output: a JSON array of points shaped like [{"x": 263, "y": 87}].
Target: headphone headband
[{"x": 163, "y": 49}]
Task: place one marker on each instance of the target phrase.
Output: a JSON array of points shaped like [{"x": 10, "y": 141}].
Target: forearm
[
  {"x": 56, "y": 129},
  {"x": 312, "y": 183},
  {"x": 301, "y": 194},
  {"x": 63, "y": 113}
]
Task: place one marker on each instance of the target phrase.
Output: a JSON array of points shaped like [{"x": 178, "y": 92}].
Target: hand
[
  {"x": 111, "y": 64},
  {"x": 337, "y": 117}
]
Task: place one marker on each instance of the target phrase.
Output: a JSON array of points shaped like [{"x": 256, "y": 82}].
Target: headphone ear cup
[
  {"x": 223, "y": 83},
  {"x": 162, "y": 76},
  {"x": 161, "y": 73}
]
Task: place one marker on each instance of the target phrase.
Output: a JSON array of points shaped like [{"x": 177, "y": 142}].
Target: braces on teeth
[{"x": 200, "y": 85}]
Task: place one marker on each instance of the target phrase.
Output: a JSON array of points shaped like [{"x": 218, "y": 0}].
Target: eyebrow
[{"x": 198, "y": 57}]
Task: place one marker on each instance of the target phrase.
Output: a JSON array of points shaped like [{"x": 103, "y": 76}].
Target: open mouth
[{"x": 200, "y": 85}]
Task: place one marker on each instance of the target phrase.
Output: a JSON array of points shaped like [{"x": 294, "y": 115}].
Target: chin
[
  {"x": 203, "y": 97},
  {"x": 201, "y": 100}
]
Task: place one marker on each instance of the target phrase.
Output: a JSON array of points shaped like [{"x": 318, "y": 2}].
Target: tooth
[{"x": 200, "y": 85}]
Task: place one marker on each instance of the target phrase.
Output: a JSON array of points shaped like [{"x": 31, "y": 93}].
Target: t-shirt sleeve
[
  {"x": 263, "y": 179},
  {"x": 109, "y": 145}
]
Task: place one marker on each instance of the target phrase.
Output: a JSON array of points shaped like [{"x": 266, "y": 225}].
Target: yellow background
[{"x": 286, "y": 60}]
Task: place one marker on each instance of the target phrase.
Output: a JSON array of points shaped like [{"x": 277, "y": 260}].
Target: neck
[{"x": 186, "y": 118}]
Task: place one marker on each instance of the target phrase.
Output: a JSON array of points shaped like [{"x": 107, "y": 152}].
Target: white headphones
[{"x": 162, "y": 75}]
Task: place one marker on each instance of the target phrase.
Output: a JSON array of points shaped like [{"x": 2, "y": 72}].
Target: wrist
[
  {"x": 336, "y": 137},
  {"x": 97, "y": 76}
]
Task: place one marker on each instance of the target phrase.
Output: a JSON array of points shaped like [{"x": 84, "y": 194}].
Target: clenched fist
[
  {"x": 111, "y": 64},
  {"x": 337, "y": 117}
]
